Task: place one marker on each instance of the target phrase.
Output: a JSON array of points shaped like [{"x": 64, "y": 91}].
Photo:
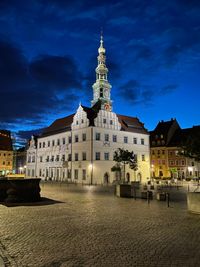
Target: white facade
[{"x": 82, "y": 150}]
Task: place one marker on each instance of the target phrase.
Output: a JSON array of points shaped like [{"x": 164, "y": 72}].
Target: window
[
  {"x": 142, "y": 141},
  {"x": 171, "y": 162},
  {"x": 114, "y": 138},
  {"x": 163, "y": 162},
  {"x": 43, "y": 144},
  {"x": 97, "y": 155},
  {"x": 76, "y": 174},
  {"x": 98, "y": 136},
  {"x": 29, "y": 159},
  {"x": 84, "y": 155},
  {"x": 106, "y": 137},
  {"x": 135, "y": 140},
  {"x": 76, "y": 138},
  {"x": 63, "y": 157},
  {"x": 158, "y": 152},
  {"x": 58, "y": 142},
  {"x": 143, "y": 157},
  {"x": 76, "y": 122},
  {"x": 84, "y": 174},
  {"x": 153, "y": 153},
  {"x": 106, "y": 156},
  {"x": 40, "y": 158},
  {"x": 8, "y": 162},
  {"x": 4, "y": 163},
  {"x": 48, "y": 143},
  {"x": 82, "y": 121},
  {"x": 84, "y": 137},
  {"x": 69, "y": 157},
  {"x": 52, "y": 158},
  {"x": 69, "y": 174},
  {"x": 125, "y": 139},
  {"x": 57, "y": 158},
  {"x": 111, "y": 122},
  {"x": 47, "y": 159},
  {"x": 69, "y": 139},
  {"x": 163, "y": 152},
  {"x": 183, "y": 162},
  {"x": 76, "y": 157},
  {"x": 53, "y": 143},
  {"x": 104, "y": 121},
  {"x": 40, "y": 145},
  {"x": 63, "y": 141},
  {"x": 33, "y": 159},
  {"x": 40, "y": 172}
]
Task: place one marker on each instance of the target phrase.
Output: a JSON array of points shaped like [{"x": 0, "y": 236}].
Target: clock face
[{"x": 107, "y": 107}]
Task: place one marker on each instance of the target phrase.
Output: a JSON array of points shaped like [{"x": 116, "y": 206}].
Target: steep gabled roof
[
  {"x": 92, "y": 112},
  {"x": 131, "y": 124},
  {"x": 59, "y": 126},
  {"x": 181, "y": 135},
  {"x": 5, "y": 140},
  {"x": 164, "y": 132}
]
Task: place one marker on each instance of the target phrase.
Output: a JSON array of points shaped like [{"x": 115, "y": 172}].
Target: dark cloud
[
  {"x": 136, "y": 93},
  {"x": 30, "y": 89}
]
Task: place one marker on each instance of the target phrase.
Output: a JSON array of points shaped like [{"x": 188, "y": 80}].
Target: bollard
[{"x": 167, "y": 196}]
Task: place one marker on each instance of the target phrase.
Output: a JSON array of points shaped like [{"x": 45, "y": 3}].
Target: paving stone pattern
[{"x": 87, "y": 226}]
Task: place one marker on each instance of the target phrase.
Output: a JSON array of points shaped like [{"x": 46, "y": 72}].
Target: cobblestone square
[{"x": 89, "y": 226}]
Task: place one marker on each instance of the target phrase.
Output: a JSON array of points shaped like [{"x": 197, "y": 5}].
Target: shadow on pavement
[{"x": 43, "y": 202}]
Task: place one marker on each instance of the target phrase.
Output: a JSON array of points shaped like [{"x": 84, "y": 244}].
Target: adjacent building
[
  {"x": 80, "y": 147},
  {"x": 167, "y": 161},
  {"x": 6, "y": 153}
]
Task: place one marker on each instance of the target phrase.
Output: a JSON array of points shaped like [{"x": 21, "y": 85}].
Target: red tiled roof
[
  {"x": 131, "y": 124},
  {"x": 59, "y": 125}
]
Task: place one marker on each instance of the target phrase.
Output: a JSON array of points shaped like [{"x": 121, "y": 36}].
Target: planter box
[
  {"x": 161, "y": 196},
  {"x": 124, "y": 190},
  {"x": 193, "y": 202}
]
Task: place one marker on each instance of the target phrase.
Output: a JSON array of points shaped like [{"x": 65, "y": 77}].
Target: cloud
[
  {"x": 30, "y": 90},
  {"x": 136, "y": 93}
]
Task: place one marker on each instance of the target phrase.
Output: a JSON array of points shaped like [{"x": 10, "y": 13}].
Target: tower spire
[{"x": 101, "y": 88}]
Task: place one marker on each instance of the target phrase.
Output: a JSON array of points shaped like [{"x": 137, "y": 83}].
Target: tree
[
  {"x": 191, "y": 147},
  {"x": 124, "y": 157}
]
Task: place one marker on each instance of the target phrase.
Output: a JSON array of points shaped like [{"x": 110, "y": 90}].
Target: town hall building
[{"x": 80, "y": 147}]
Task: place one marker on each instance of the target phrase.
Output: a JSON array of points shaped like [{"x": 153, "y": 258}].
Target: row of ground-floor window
[
  {"x": 79, "y": 175},
  {"x": 178, "y": 174}
]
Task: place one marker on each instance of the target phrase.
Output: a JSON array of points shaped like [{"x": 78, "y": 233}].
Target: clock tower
[{"x": 102, "y": 88}]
